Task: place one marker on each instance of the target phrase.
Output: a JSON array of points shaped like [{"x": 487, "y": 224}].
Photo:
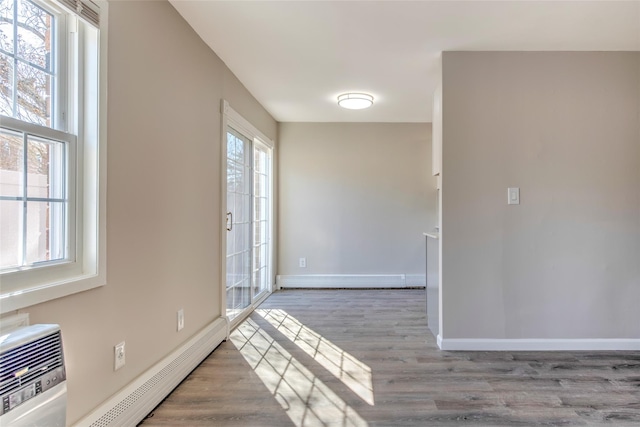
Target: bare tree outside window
[
  {"x": 26, "y": 73},
  {"x": 27, "y": 85},
  {"x": 26, "y": 62}
]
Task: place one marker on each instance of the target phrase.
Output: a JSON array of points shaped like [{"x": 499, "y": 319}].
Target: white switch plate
[
  {"x": 303, "y": 263},
  {"x": 180, "y": 319},
  {"x": 513, "y": 196},
  {"x": 119, "y": 356}
]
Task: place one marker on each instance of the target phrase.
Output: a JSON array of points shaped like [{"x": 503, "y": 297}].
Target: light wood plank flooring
[{"x": 366, "y": 358}]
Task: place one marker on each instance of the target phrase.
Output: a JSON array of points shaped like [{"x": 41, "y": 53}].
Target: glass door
[
  {"x": 248, "y": 222},
  {"x": 261, "y": 219},
  {"x": 238, "y": 257}
]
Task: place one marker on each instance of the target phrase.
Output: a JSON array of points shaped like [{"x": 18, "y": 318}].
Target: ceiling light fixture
[{"x": 355, "y": 101}]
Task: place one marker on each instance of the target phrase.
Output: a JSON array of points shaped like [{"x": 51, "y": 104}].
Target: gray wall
[
  {"x": 564, "y": 127},
  {"x": 163, "y": 212},
  {"x": 355, "y": 197}
]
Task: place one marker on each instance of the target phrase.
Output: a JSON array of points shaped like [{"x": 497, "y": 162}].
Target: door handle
[{"x": 229, "y": 223}]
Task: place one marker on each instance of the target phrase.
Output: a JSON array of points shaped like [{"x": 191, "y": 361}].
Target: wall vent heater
[{"x": 33, "y": 385}]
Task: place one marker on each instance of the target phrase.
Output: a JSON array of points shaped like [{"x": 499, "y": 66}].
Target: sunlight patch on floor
[
  {"x": 352, "y": 372},
  {"x": 306, "y": 400}
]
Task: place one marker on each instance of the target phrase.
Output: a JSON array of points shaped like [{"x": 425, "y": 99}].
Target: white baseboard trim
[
  {"x": 132, "y": 404},
  {"x": 415, "y": 280},
  {"x": 324, "y": 281},
  {"x": 538, "y": 344}
]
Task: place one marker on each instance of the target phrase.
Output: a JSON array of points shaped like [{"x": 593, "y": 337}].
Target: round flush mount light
[{"x": 355, "y": 101}]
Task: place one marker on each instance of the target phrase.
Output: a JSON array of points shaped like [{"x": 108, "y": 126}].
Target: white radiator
[
  {"x": 129, "y": 406},
  {"x": 33, "y": 385}
]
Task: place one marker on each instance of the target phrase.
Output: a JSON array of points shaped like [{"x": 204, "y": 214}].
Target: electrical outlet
[
  {"x": 119, "y": 356},
  {"x": 303, "y": 263},
  {"x": 180, "y": 319}
]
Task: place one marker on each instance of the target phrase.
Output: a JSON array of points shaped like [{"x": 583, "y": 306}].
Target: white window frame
[
  {"x": 84, "y": 107},
  {"x": 69, "y": 182}
]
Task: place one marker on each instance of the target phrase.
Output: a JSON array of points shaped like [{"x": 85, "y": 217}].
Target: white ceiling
[{"x": 296, "y": 57}]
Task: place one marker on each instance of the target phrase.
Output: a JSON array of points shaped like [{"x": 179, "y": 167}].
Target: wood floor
[{"x": 366, "y": 358}]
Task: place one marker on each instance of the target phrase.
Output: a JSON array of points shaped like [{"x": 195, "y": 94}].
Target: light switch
[{"x": 513, "y": 196}]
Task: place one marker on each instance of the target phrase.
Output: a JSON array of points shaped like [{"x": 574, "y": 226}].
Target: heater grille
[{"x": 133, "y": 403}]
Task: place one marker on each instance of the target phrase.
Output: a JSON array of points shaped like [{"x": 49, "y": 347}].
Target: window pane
[
  {"x": 6, "y": 84},
  {"x": 11, "y": 164},
  {"x": 11, "y": 226},
  {"x": 6, "y": 25},
  {"x": 34, "y": 34},
  {"x": 34, "y": 95},
  {"x": 45, "y": 231},
  {"x": 46, "y": 160}
]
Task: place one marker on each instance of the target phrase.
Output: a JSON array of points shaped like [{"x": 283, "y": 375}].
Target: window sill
[{"x": 16, "y": 300}]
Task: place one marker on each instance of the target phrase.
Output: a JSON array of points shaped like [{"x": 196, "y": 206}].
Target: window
[
  {"x": 51, "y": 183},
  {"x": 34, "y": 197},
  {"x": 29, "y": 51}
]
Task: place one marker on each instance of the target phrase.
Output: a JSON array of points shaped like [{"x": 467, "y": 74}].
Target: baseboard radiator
[
  {"x": 132, "y": 404},
  {"x": 351, "y": 281}
]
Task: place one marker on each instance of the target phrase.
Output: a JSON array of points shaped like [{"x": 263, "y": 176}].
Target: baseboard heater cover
[
  {"x": 356, "y": 281},
  {"x": 132, "y": 404},
  {"x": 462, "y": 344}
]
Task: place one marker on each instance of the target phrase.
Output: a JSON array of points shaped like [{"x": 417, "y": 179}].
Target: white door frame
[{"x": 231, "y": 118}]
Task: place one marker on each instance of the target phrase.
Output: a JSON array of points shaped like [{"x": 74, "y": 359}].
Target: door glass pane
[
  {"x": 240, "y": 150},
  {"x": 261, "y": 218},
  {"x": 239, "y": 208},
  {"x": 238, "y": 276}
]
